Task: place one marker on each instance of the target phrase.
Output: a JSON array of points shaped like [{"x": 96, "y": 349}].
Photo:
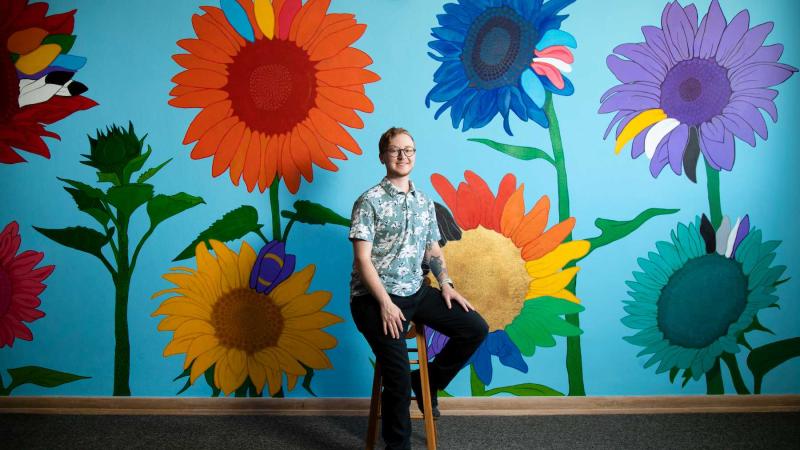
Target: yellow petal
[
  {"x": 257, "y": 373},
  {"x": 548, "y": 285},
  {"x": 642, "y": 120},
  {"x": 200, "y": 345},
  {"x": 193, "y": 327},
  {"x": 268, "y": 359},
  {"x": 177, "y": 346},
  {"x": 557, "y": 259},
  {"x": 228, "y": 264},
  {"x": 265, "y": 17},
  {"x": 247, "y": 258},
  {"x": 229, "y": 379},
  {"x": 304, "y": 351},
  {"x": 293, "y": 286},
  {"x": 183, "y": 309},
  {"x": 566, "y": 295},
  {"x": 317, "y": 338},
  {"x": 171, "y": 323},
  {"x": 204, "y": 361},
  {"x": 237, "y": 360},
  {"x": 317, "y": 320},
  {"x": 306, "y": 304},
  {"x": 291, "y": 381},
  {"x": 274, "y": 380},
  {"x": 288, "y": 363},
  {"x": 38, "y": 60}
]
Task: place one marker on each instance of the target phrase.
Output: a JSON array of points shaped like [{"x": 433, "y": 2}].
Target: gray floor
[{"x": 678, "y": 431}]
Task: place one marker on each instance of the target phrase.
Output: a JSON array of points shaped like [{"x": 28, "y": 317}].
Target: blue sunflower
[
  {"x": 499, "y": 56},
  {"x": 699, "y": 293}
]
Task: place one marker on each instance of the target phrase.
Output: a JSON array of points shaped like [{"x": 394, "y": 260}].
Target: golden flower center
[
  {"x": 489, "y": 271},
  {"x": 247, "y": 320}
]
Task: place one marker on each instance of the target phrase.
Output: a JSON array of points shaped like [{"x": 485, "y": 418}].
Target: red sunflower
[
  {"x": 276, "y": 80},
  {"x": 20, "y": 286},
  {"x": 36, "y": 77}
]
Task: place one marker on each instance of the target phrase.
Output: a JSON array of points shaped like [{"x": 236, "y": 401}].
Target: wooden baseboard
[{"x": 469, "y": 406}]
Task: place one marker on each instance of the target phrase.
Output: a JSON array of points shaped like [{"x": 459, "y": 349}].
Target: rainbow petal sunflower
[
  {"x": 499, "y": 56},
  {"x": 519, "y": 261},
  {"x": 36, "y": 77},
  {"x": 20, "y": 286},
  {"x": 219, "y": 321},
  {"x": 692, "y": 89},
  {"x": 275, "y": 81},
  {"x": 698, "y": 293}
]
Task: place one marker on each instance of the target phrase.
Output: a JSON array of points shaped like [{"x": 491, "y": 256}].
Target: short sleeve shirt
[{"x": 400, "y": 226}]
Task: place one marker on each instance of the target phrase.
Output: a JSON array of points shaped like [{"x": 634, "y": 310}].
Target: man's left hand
[{"x": 450, "y": 294}]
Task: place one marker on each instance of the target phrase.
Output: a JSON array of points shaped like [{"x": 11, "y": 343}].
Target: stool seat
[{"x": 377, "y": 384}]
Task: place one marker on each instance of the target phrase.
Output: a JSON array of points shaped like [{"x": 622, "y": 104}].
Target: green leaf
[
  {"x": 673, "y": 372},
  {"x": 614, "y": 230},
  {"x": 516, "y": 151},
  {"x": 147, "y": 174},
  {"x": 525, "y": 390},
  {"x": 188, "y": 383},
  {"x": 209, "y": 376},
  {"x": 40, "y": 376},
  {"x": 233, "y": 225},
  {"x": 135, "y": 165},
  {"x": 80, "y": 238},
  {"x": 90, "y": 191},
  {"x": 128, "y": 198},
  {"x": 767, "y": 357},
  {"x": 108, "y": 177},
  {"x": 307, "y": 379},
  {"x": 315, "y": 214},
  {"x": 443, "y": 394},
  {"x": 162, "y": 207},
  {"x": 65, "y": 41},
  {"x": 90, "y": 205},
  {"x": 539, "y": 321}
]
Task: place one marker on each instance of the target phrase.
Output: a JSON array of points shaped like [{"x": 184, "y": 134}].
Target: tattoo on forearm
[{"x": 438, "y": 268}]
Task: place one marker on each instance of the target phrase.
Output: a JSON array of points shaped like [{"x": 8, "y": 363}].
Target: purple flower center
[
  {"x": 498, "y": 47},
  {"x": 695, "y": 91}
]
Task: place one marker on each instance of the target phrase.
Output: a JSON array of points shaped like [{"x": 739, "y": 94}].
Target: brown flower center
[
  {"x": 272, "y": 85},
  {"x": 490, "y": 273},
  {"x": 247, "y": 320}
]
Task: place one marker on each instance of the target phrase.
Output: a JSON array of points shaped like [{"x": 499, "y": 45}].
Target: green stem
[
  {"x": 736, "y": 375},
  {"x": 122, "y": 283},
  {"x": 3, "y": 391},
  {"x": 261, "y": 235},
  {"x": 714, "y": 201},
  {"x": 275, "y": 208},
  {"x": 139, "y": 247},
  {"x": 574, "y": 356},
  {"x": 477, "y": 388},
  {"x": 286, "y": 230},
  {"x": 714, "y": 380}
]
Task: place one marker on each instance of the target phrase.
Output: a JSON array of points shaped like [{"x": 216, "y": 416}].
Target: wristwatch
[{"x": 450, "y": 282}]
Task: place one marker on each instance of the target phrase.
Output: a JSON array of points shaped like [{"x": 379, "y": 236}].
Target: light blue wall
[{"x": 129, "y": 47}]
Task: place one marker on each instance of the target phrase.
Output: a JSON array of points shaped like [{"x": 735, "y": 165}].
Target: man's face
[{"x": 398, "y": 163}]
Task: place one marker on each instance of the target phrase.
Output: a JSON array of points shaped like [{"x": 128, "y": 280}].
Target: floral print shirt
[{"x": 400, "y": 226}]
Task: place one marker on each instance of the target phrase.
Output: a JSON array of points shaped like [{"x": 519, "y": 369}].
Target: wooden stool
[{"x": 377, "y": 384}]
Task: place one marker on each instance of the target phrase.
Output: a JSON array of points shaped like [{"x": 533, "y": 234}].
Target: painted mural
[{"x": 243, "y": 290}]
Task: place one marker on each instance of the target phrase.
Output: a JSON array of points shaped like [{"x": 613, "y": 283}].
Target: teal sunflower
[{"x": 698, "y": 293}]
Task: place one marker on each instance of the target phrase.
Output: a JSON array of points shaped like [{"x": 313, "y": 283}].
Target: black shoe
[{"x": 416, "y": 386}]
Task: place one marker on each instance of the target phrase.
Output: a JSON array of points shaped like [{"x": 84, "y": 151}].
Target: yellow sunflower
[{"x": 219, "y": 321}]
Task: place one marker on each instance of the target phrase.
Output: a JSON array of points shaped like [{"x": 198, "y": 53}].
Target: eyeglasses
[{"x": 395, "y": 152}]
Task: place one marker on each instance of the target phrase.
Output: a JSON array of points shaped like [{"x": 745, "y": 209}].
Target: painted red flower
[
  {"x": 20, "y": 286},
  {"x": 36, "y": 77}
]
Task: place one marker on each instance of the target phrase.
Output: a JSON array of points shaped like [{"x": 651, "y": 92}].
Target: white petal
[
  {"x": 722, "y": 235},
  {"x": 40, "y": 95},
  {"x": 657, "y": 133},
  {"x": 555, "y": 62},
  {"x": 732, "y": 238},
  {"x": 26, "y": 85}
]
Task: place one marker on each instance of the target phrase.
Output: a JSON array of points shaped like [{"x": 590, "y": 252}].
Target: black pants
[{"x": 466, "y": 331}]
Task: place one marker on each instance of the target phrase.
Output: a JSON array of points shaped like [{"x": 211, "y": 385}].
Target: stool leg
[
  {"x": 430, "y": 426},
  {"x": 374, "y": 409}
]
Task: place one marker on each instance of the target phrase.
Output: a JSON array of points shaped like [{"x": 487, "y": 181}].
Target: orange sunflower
[{"x": 276, "y": 80}]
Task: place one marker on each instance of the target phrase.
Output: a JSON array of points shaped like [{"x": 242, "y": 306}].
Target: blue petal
[
  {"x": 556, "y": 37},
  {"x": 568, "y": 89},
  {"x": 445, "y": 48},
  {"x": 482, "y": 361},
  {"x": 487, "y": 110},
  {"x": 448, "y": 71},
  {"x": 238, "y": 19},
  {"x": 553, "y": 7},
  {"x": 517, "y": 105},
  {"x": 448, "y": 34},
  {"x": 510, "y": 355},
  {"x": 535, "y": 112},
  {"x": 504, "y": 104},
  {"x": 460, "y": 105},
  {"x": 442, "y": 58},
  {"x": 443, "y": 92},
  {"x": 552, "y": 23},
  {"x": 70, "y": 62},
  {"x": 452, "y": 21},
  {"x": 532, "y": 85},
  {"x": 472, "y": 110}
]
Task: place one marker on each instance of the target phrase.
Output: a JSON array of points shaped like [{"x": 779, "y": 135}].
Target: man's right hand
[{"x": 392, "y": 318}]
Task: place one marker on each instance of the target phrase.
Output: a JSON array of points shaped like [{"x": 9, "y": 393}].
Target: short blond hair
[{"x": 387, "y": 136}]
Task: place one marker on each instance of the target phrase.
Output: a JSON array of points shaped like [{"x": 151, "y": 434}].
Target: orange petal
[
  {"x": 219, "y": 17},
  {"x": 347, "y": 76},
  {"x": 507, "y": 186},
  {"x": 548, "y": 241},
  {"x": 201, "y": 78},
  {"x": 205, "y": 50},
  {"x": 288, "y": 170},
  {"x": 301, "y": 155},
  {"x": 533, "y": 224},
  {"x": 483, "y": 197},
  {"x": 349, "y": 57},
  {"x": 270, "y": 161},
  {"x": 348, "y": 99},
  {"x": 193, "y": 62},
  {"x": 345, "y": 116},
  {"x": 208, "y": 30},
  {"x": 330, "y": 149},
  {"x": 262, "y": 174},
  {"x": 297, "y": 21},
  {"x": 238, "y": 161},
  {"x": 312, "y": 20},
  {"x": 332, "y": 131},
  {"x": 177, "y": 91},
  {"x": 513, "y": 211},
  {"x": 253, "y": 164},
  {"x": 25, "y": 41},
  {"x": 199, "y": 99},
  {"x": 468, "y": 214},
  {"x": 228, "y": 147},
  {"x": 207, "y": 145},
  {"x": 336, "y": 42},
  {"x": 206, "y": 119},
  {"x": 331, "y": 24},
  {"x": 445, "y": 190},
  {"x": 315, "y": 150}
]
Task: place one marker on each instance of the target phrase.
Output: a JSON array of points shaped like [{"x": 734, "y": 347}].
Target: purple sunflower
[{"x": 690, "y": 89}]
